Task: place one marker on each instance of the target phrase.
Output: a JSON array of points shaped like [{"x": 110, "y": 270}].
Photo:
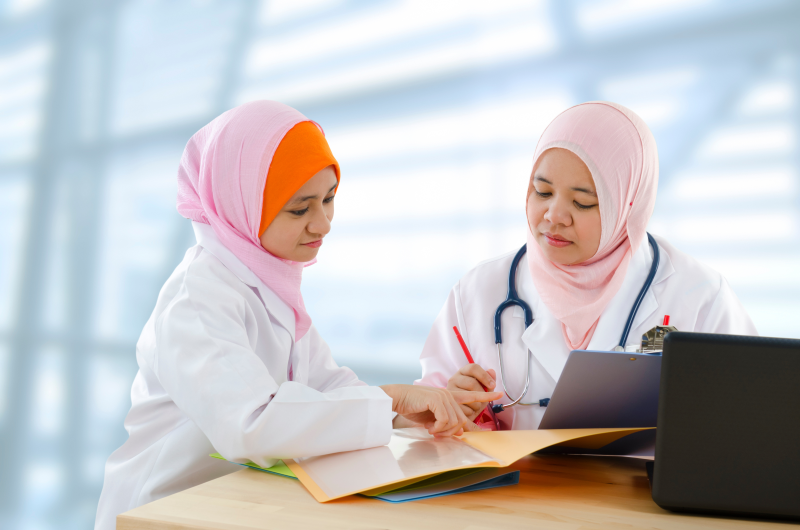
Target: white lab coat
[
  {"x": 696, "y": 298},
  {"x": 215, "y": 359}
]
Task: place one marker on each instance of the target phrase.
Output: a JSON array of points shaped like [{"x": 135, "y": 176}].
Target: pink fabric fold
[
  {"x": 621, "y": 154},
  {"x": 221, "y": 182}
]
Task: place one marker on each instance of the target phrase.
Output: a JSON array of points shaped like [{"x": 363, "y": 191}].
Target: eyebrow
[
  {"x": 584, "y": 190},
  {"x": 309, "y": 197}
]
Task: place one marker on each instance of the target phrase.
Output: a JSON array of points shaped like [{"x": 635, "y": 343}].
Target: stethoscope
[{"x": 513, "y": 299}]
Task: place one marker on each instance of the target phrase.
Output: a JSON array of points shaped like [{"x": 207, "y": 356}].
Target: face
[
  {"x": 296, "y": 232},
  {"x": 563, "y": 211}
]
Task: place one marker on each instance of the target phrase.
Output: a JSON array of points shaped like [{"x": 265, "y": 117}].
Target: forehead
[
  {"x": 323, "y": 180},
  {"x": 563, "y": 167}
]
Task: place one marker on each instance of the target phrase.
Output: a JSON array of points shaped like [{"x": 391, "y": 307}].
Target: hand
[
  {"x": 469, "y": 378},
  {"x": 438, "y": 410}
]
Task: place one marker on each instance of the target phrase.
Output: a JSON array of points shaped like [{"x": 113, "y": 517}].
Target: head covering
[
  {"x": 302, "y": 153},
  {"x": 221, "y": 182},
  {"x": 620, "y": 152}
]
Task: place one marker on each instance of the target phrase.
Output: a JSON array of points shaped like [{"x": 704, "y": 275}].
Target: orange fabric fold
[{"x": 302, "y": 153}]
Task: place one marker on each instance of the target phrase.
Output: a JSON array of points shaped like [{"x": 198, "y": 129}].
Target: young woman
[
  {"x": 590, "y": 196},
  {"x": 229, "y": 361}
]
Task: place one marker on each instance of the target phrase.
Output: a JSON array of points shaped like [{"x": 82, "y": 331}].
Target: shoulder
[
  {"x": 487, "y": 282},
  {"x": 207, "y": 271},
  {"x": 203, "y": 281},
  {"x": 702, "y": 296},
  {"x": 690, "y": 273}
]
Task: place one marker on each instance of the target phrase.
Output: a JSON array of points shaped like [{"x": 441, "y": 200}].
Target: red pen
[
  {"x": 486, "y": 415},
  {"x": 466, "y": 351}
]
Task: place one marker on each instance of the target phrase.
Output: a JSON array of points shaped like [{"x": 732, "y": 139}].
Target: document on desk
[
  {"x": 450, "y": 483},
  {"x": 413, "y": 455}
]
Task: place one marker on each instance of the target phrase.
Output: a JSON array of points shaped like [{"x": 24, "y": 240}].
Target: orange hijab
[
  {"x": 222, "y": 182},
  {"x": 302, "y": 153}
]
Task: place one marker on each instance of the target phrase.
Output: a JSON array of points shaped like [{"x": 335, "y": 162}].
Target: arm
[{"x": 206, "y": 363}]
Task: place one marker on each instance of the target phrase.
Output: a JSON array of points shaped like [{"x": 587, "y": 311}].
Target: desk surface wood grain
[{"x": 555, "y": 491}]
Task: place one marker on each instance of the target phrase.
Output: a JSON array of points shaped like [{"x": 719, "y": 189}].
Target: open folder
[
  {"x": 413, "y": 455},
  {"x": 450, "y": 483}
]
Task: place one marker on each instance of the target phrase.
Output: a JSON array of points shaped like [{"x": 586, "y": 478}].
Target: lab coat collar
[{"x": 279, "y": 309}]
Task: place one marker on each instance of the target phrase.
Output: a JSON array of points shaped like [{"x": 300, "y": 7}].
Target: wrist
[{"x": 392, "y": 392}]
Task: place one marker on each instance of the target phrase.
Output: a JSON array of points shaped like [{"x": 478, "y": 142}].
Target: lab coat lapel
[{"x": 279, "y": 309}]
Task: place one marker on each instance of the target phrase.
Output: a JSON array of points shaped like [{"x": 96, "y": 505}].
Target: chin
[
  {"x": 556, "y": 255},
  {"x": 306, "y": 254}
]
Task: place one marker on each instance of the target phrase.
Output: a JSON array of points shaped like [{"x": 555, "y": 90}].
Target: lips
[
  {"x": 314, "y": 244},
  {"x": 556, "y": 240}
]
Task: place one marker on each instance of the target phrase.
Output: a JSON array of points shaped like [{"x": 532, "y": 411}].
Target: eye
[
  {"x": 542, "y": 195},
  {"x": 298, "y": 213},
  {"x": 329, "y": 199},
  {"x": 583, "y": 206}
]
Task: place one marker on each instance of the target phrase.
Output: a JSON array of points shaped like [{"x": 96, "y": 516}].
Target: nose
[
  {"x": 558, "y": 213},
  {"x": 319, "y": 222}
]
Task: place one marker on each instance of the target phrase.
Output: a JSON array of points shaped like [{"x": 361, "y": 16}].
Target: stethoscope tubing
[
  {"x": 513, "y": 299},
  {"x": 647, "y": 283},
  {"x": 503, "y": 380}
]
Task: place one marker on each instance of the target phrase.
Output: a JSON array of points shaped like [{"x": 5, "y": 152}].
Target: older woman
[{"x": 590, "y": 196}]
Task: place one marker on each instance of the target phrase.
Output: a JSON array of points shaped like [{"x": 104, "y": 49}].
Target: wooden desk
[{"x": 558, "y": 492}]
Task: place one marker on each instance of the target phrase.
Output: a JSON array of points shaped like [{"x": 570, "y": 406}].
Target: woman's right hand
[
  {"x": 469, "y": 378},
  {"x": 437, "y": 409}
]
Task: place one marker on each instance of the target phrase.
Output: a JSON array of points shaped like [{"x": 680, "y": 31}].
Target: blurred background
[{"x": 433, "y": 109}]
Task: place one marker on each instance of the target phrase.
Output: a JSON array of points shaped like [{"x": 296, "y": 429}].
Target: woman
[
  {"x": 590, "y": 196},
  {"x": 229, "y": 361}
]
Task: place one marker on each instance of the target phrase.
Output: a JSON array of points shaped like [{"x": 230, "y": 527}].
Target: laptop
[{"x": 728, "y": 437}]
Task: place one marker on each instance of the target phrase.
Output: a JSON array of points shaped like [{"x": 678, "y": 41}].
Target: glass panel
[
  {"x": 14, "y": 197},
  {"x": 139, "y": 227},
  {"x": 22, "y": 88}
]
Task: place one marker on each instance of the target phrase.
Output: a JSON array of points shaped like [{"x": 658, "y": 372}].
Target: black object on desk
[{"x": 728, "y": 437}]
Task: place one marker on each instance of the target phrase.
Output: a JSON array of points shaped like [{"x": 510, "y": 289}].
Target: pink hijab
[
  {"x": 620, "y": 152},
  {"x": 221, "y": 182}
]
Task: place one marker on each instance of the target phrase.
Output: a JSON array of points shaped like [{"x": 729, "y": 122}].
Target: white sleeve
[
  {"x": 441, "y": 355},
  {"x": 726, "y": 314},
  {"x": 206, "y": 363}
]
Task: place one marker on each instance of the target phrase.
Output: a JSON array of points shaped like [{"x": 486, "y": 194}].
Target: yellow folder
[{"x": 413, "y": 455}]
